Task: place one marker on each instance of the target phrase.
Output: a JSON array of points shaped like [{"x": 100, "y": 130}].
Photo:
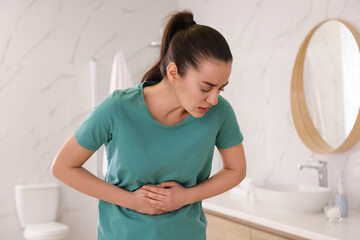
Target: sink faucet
[{"x": 322, "y": 170}]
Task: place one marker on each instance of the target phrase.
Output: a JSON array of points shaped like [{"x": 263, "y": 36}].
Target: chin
[{"x": 197, "y": 114}]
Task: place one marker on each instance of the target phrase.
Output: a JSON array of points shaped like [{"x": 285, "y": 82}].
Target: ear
[{"x": 172, "y": 72}]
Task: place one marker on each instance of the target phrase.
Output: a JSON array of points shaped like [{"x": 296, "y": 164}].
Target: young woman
[{"x": 159, "y": 139}]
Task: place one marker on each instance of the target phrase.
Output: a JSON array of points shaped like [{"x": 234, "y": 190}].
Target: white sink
[{"x": 304, "y": 199}]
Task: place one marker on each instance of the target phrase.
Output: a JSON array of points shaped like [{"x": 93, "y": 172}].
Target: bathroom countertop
[{"x": 311, "y": 226}]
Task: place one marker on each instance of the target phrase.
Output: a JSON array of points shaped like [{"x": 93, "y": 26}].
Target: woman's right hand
[{"x": 142, "y": 207}]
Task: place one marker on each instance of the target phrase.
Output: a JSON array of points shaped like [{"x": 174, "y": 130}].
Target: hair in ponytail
[{"x": 186, "y": 44}]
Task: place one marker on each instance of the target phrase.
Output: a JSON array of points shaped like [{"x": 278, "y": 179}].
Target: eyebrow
[{"x": 214, "y": 85}]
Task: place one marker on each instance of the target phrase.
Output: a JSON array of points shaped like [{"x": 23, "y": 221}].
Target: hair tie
[{"x": 188, "y": 24}]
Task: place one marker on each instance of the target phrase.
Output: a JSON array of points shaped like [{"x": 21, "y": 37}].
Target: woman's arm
[
  {"x": 169, "y": 196},
  {"x": 67, "y": 167}
]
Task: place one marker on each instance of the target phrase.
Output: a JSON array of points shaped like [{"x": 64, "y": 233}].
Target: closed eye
[
  {"x": 220, "y": 89},
  {"x": 213, "y": 85}
]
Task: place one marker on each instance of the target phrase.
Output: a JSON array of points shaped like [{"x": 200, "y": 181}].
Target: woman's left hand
[{"x": 166, "y": 196}]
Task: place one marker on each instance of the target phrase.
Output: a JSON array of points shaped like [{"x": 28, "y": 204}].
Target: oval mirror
[{"x": 325, "y": 88}]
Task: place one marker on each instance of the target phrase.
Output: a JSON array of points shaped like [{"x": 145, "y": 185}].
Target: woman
[{"x": 159, "y": 139}]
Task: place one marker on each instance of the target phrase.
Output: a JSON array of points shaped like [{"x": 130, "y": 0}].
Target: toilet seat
[{"x": 48, "y": 231}]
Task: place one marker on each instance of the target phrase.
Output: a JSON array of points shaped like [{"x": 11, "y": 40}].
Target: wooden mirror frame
[{"x": 300, "y": 112}]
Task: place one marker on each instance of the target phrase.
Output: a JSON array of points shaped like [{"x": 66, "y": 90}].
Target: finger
[
  {"x": 154, "y": 196},
  {"x": 168, "y": 184},
  {"x": 158, "y": 212},
  {"x": 154, "y": 203},
  {"x": 155, "y": 189}
]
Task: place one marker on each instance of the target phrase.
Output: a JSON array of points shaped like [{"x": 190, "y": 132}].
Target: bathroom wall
[
  {"x": 45, "y": 48},
  {"x": 45, "y": 90},
  {"x": 264, "y": 37}
]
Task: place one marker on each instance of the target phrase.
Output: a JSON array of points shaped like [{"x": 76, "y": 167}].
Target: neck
[{"x": 162, "y": 100}]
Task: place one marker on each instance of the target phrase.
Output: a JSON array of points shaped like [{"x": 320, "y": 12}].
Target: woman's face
[{"x": 198, "y": 90}]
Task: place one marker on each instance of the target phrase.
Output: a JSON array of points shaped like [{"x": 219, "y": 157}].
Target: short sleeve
[
  {"x": 98, "y": 127},
  {"x": 229, "y": 133}
]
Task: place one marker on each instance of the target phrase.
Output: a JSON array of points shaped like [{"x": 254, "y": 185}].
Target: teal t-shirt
[{"x": 141, "y": 150}]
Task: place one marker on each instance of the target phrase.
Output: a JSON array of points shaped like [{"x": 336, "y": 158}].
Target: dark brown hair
[{"x": 186, "y": 45}]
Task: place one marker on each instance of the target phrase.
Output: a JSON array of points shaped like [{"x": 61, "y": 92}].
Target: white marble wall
[
  {"x": 45, "y": 49},
  {"x": 264, "y": 37}
]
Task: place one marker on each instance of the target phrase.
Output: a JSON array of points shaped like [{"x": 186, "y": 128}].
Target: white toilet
[{"x": 37, "y": 206}]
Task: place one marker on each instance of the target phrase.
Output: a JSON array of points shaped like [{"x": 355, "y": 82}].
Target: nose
[{"x": 213, "y": 98}]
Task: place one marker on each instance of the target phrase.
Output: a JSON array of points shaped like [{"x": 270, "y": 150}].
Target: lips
[{"x": 203, "y": 109}]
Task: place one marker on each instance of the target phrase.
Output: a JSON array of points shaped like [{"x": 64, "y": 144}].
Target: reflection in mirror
[{"x": 332, "y": 81}]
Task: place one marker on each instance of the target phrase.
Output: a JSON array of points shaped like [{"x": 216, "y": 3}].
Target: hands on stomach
[{"x": 159, "y": 199}]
